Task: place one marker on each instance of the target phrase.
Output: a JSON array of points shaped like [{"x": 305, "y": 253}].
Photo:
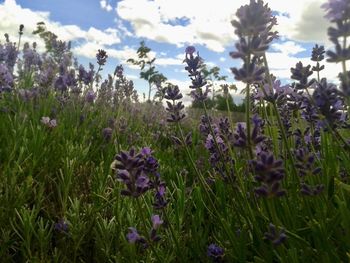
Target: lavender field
[{"x": 92, "y": 172}]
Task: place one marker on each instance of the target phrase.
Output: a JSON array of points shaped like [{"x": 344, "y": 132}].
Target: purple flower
[
  {"x": 190, "y": 50},
  {"x": 329, "y": 103},
  {"x": 133, "y": 236},
  {"x": 61, "y": 226},
  {"x": 215, "y": 252},
  {"x": 194, "y": 68},
  {"x": 254, "y": 30},
  {"x": 50, "y": 123},
  {"x": 134, "y": 169},
  {"x": 101, "y": 57},
  {"x": 156, "y": 221},
  {"x": 269, "y": 173},
  {"x": 336, "y": 9},
  {"x": 275, "y": 236},
  {"x": 90, "y": 96},
  {"x": 6, "y": 79},
  {"x": 107, "y": 133},
  {"x": 146, "y": 151},
  {"x": 301, "y": 74},
  {"x": 119, "y": 70}
]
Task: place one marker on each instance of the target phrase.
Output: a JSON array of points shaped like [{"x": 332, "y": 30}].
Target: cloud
[
  {"x": 179, "y": 22},
  {"x": 288, "y": 47},
  {"x": 207, "y": 23},
  {"x": 90, "y": 49},
  {"x": 105, "y": 6},
  {"x": 12, "y": 15},
  {"x": 280, "y": 64}
]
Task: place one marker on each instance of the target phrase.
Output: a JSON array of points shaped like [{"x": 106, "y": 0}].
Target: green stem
[
  {"x": 247, "y": 117},
  {"x": 279, "y": 121},
  {"x": 140, "y": 211},
  {"x": 173, "y": 234}
]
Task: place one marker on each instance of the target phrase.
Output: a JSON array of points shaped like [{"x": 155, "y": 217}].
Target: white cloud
[
  {"x": 12, "y": 15},
  {"x": 280, "y": 64},
  {"x": 208, "y": 22},
  {"x": 155, "y": 20},
  {"x": 288, "y": 47},
  {"x": 90, "y": 49},
  {"x": 168, "y": 62},
  {"x": 105, "y": 6}
]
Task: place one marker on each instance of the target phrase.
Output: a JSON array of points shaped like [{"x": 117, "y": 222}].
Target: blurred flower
[
  {"x": 317, "y": 53},
  {"x": 107, "y": 133},
  {"x": 269, "y": 173},
  {"x": 156, "y": 222},
  {"x": 50, "y": 123},
  {"x": 6, "y": 79},
  {"x": 215, "y": 252},
  {"x": 329, "y": 103},
  {"x": 337, "y": 9},
  {"x": 21, "y": 27},
  {"x": 101, "y": 57},
  {"x": 61, "y": 226},
  {"x": 90, "y": 96},
  {"x": 194, "y": 68},
  {"x": 254, "y": 30},
  {"x": 309, "y": 190},
  {"x": 134, "y": 237},
  {"x": 190, "y": 50},
  {"x": 276, "y": 237},
  {"x": 301, "y": 74}
]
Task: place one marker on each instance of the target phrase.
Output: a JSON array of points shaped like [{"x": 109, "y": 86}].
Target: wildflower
[
  {"x": 134, "y": 237},
  {"x": 309, "y": 190},
  {"x": 50, "y": 123},
  {"x": 159, "y": 197},
  {"x": 61, "y": 226},
  {"x": 215, "y": 252},
  {"x": 317, "y": 53},
  {"x": 134, "y": 169},
  {"x": 301, "y": 74},
  {"x": 90, "y": 96},
  {"x": 6, "y": 79},
  {"x": 240, "y": 135},
  {"x": 190, "y": 50},
  {"x": 9, "y": 54},
  {"x": 269, "y": 173},
  {"x": 337, "y": 9},
  {"x": 194, "y": 68},
  {"x": 276, "y": 237},
  {"x": 253, "y": 27},
  {"x": 21, "y": 27},
  {"x": 156, "y": 221},
  {"x": 107, "y": 133},
  {"x": 119, "y": 70},
  {"x": 101, "y": 57},
  {"x": 327, "y": 99}
]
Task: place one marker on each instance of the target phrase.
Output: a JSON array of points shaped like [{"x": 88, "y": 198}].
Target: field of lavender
[{"x": 88, "y": 173}]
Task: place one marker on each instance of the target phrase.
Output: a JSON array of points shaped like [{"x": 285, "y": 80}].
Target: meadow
[{"x": 88, "y": 173}]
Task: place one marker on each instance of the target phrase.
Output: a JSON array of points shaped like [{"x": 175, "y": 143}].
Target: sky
[{"x": 167, "y": 27}]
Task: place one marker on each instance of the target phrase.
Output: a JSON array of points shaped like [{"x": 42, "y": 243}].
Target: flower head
[
  {"x": 336, "y": 9},
  {"x": 215, "y": 252},
  {"x": 101, "y": 57},
  {"x": 190, "y": 50},
  {"x": 275, "y": 236},
  {"x": 61, "y": 226}
]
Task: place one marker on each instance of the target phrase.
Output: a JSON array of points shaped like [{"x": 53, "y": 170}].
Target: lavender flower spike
[{"x": 215, "y": 252}]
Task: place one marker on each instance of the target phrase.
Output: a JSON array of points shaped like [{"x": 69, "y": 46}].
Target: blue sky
[{"x": 167, "y": 27}]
